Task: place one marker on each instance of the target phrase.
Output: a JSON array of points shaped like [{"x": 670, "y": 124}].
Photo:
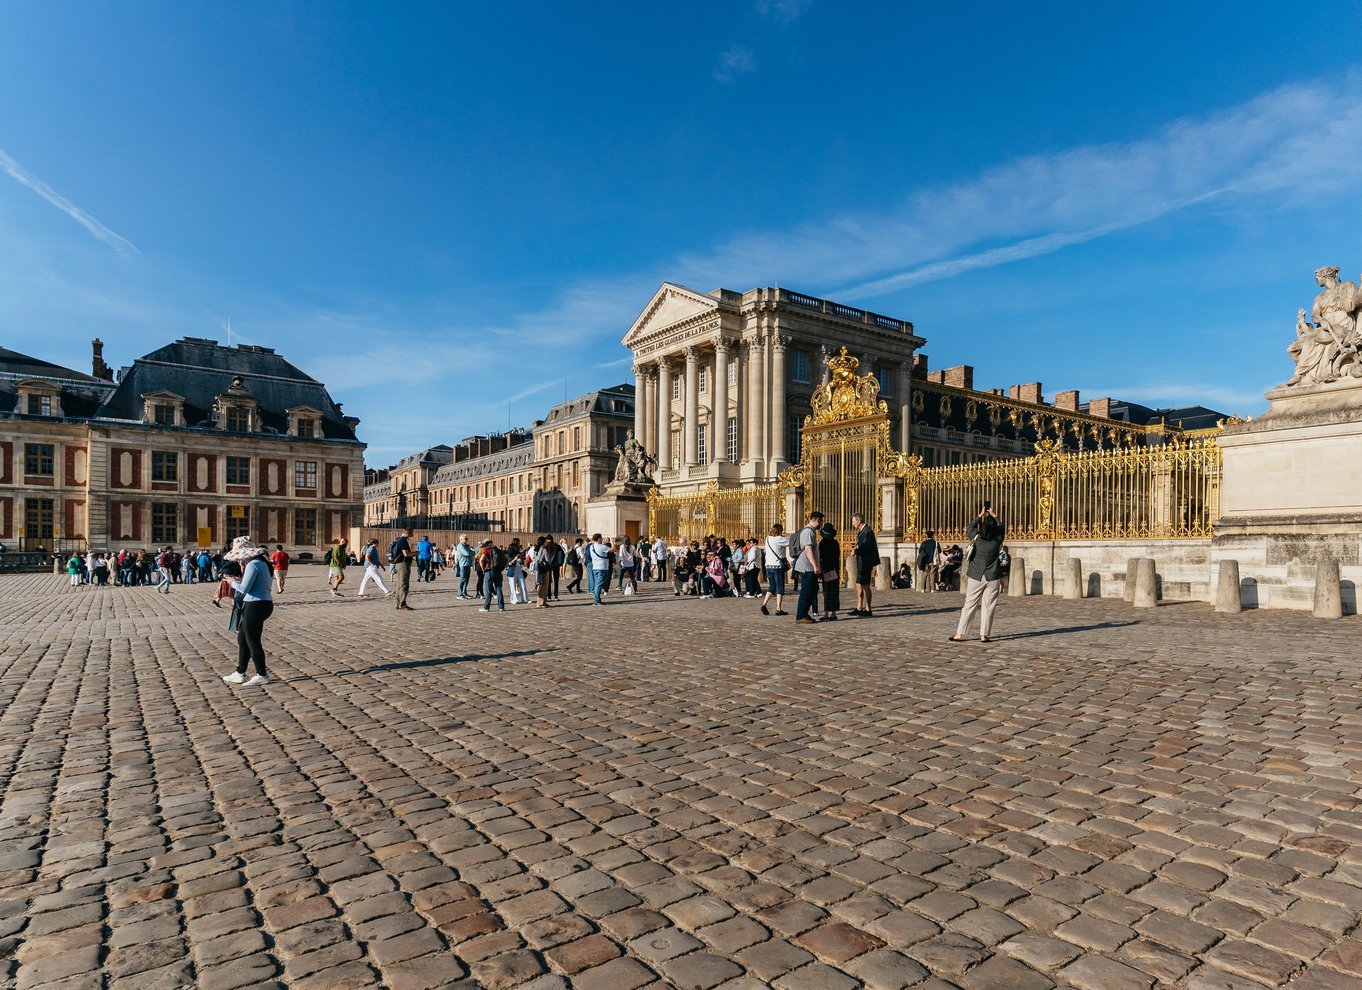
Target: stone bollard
[
  {"x": 882, "y": 574},
  {"x": 1328, "y": 599},
  {"x": 1227, "y": 597},
  {"x": 56, "y": 568},
  {"x": 1017, "y": 578},
  {"x": 1146, "y": 583},
  {"x": 1073, "y": 585},
  {"x": 1132, "y": 566}
]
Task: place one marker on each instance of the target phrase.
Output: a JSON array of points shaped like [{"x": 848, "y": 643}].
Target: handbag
[{"x": 234, "y": 617}]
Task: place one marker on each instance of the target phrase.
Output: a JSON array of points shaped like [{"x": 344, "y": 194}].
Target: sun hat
[{"x": 243, "y": 549}]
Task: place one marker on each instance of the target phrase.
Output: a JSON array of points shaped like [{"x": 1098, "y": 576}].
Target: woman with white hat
[{"x": 256, "y": 606}]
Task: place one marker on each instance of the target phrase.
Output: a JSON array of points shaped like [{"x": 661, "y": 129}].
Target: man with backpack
[
  {"x": 492, "y": 560},
  {"x": 399, "y": 555},
  {"x": 369, "y": 556}
]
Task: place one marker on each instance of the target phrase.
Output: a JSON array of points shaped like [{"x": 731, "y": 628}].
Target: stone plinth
[{"x": 621, "y": 511}]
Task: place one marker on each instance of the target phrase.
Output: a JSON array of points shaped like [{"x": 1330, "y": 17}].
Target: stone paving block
[
  {"x": 618, "y": 974},
  {"x": 885, "y": 969},
  {"x": 1098, "y": 973},
  {"x": 999, "y": 973}
]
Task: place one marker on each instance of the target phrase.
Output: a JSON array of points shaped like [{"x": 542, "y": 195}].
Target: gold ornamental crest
[{"x": 847, "y": 395}]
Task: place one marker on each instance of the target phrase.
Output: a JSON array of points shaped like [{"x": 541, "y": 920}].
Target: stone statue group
[
  {"x": 635, "y": 464},
  {"x": 1328, "y": 346}
]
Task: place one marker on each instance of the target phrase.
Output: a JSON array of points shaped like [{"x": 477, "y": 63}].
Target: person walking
[
  {"x": 515, "y": 573},
  {"x": 866, "y": 558},
  {"x": 400, "y": 555},
  {"x": 927, "y": 552},
  {"x": 660, "y": 558},
  {"x": 280, "y": 561},
  {"x": 808, "y": 567},
  {"x": 777, "y": 551},
  {"x": 493, "y": 561},
  {"x": 257, "y": 605},
  {"x": 335, "y": 562},
  {"x": 463, "y": 564},
  {"x": 830, "y": 557},
  {"x": 626, "y": 558},
  {"x": 576, "y": 566},
  {"x": 425, "y": 551},
  {"x": 369, "y": 557},
  {"x": 73, "y": 568},
  {"x": 597, "y": 567},
  {"x": 984, "y": 575},
  {"x": 163, "y": 567},
  {"x": 558, "y": 557},
  {"x": 543, "y": 571}
]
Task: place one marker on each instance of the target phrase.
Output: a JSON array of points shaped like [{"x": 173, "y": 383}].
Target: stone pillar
[
  {"x": 640, "y": 412},
  {"x": 754, "y": 407},
  {"x": 882, "y": 574},
  {"x": 1328, "y": 599},
  {"x": 1146, "y": 583},
  {"x": 1132, "y": 566},
  {"x": 778, "y": 400},
  {"x": 664, "y": 415},
  {"x": 905, "y": 404},
  {"x": 649, "y": 438},
  {"x": 1017, "y": 578},
  {"x": 719, "y": 420},
  {"x": 1073, "y": 582},
  {"x": 1227, "y": 597},
  {"x": 691, "y": 438}
]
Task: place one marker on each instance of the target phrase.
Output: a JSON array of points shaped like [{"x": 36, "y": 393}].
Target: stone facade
[{"x": 193, "y": 440}]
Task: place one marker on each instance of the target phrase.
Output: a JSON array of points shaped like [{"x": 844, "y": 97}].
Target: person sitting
[
  {"x": 950, "y": 567},
  {"x": 683, "y": 577},
  {"x": 903, "y": 578},
  {"x": 715, "y": 578}
]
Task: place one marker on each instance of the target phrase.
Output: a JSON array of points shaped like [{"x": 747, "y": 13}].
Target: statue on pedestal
[
  {"x": 635, "y": 465},
  {"x": 1327, "y": 347}
]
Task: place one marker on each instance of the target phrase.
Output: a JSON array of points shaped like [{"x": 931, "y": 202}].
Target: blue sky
[{"x": 451, "y": 213}]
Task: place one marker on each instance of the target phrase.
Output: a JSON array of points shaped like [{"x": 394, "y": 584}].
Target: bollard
[
  {"x": 1017, "y": 578},
  {"x": 1227, "y": 598},
  {"x": 1146, "y": 583},
  {"x": 56, "y": 569},
  {"x": 882, "y": 574},
  {"x": 1132, "y": 565},
  {"x": 1073, "y": 586},
  {"x": 1328, "y": 599}
]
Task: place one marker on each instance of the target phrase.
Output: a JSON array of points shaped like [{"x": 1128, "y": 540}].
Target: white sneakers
[{"x": 235, "y": 678}]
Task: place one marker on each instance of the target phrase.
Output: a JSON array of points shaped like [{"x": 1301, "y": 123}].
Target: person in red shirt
[{"x": 280, "y": 561}]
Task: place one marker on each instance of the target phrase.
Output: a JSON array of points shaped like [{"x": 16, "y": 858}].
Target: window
[
  {"x": 733, "y": 372},
  {"x": 238, "y": 470},
  {"x": 676, "y": 447},
  {"x": 38, "y": 458},
  {"x": 576, "y": 475},
  {"x": 40, "y": 405},
  {"x": 305, "y": 527},
  {"x": 704, "y": 379},
  {"x": 799, "y": 366},
  {"x": 702, "y": 450},
  {"x": 676, "y": 387},
  {"x": 38, "y": 520},
  {"x": 165, "y": 466},
  {"x": 576, "y": 438},
  {"x": 163, "y": 529},
  {"x": 733, "y": 439},
  {"x": 238, "y": 522},
  {"x": 238, "y": 419},
  {"x": 307, "y": 426},
  {"x": 163, "y": 414},
  {"x": 884, "y": 378},
  {"x": 793, "y": 439},
  {"x": 305, "y": 474}
]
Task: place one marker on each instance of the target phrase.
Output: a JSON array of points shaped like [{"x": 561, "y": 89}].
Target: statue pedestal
[
  {"x": 1292, "y": 494},
  {"x": 621, "y": 511}
]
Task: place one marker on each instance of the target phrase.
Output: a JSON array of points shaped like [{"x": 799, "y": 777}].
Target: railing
[
  {"x": 733, "y": 513},
  {"x": 1135, "y": 493},
  {"x": 845, "y": 312}
]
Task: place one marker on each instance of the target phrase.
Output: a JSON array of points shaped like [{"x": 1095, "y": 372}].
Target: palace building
[{"x": 194, "y": 443}]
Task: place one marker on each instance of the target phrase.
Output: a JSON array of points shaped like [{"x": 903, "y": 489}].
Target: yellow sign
[
  {"x": 238, "y": 511},
  {"x": 205, "y": 536}
]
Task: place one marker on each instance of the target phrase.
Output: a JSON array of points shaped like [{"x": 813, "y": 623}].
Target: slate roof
[
  {"x": 1189, "y": 417},
  {"x": 200, "y": 370},
  {"x": 616, "y": 401},
  {"x": 81, "y": 393}
]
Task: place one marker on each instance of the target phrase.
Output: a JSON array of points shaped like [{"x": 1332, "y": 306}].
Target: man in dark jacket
[
  {"x": 984, "y": 574},
  {"x": 867, "y": 559},
  {"x": 926, "y": 563}
]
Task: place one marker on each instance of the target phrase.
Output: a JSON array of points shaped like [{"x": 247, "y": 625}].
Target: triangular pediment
[
  {"x": 162, "y": 395},
  {"x": 670, "y": 305}
]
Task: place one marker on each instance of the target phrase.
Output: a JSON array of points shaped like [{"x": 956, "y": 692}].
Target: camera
[{"x": 988, "y": 506}]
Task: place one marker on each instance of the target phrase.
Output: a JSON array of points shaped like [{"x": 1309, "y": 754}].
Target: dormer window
[
  {"x": 40, "y": 405},
  {"x": 307, "y": 428},
  {"x": 163, "y": 414},
  {"x": 39, "y": 397},
  {"x": 163, "y": 408},
  {"x": 238, "y": 419},
  {"x": 305, "y": 422}
]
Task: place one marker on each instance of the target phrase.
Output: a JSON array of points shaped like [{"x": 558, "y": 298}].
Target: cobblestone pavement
[{"x": 666, "y": 793}]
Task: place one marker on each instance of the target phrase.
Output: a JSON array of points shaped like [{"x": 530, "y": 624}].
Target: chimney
[
  {"x": 1031, "y": 393},
  {"x": 961, "y": 376},
  {"x": 97, "y": 366},
  {"x": 919, "y": 365},
  {"x": 938, "y": 377},
  {"x": 1067, "y": 400},
  {"x": 1014, "y": 391},
  {"x": 1099, "y": 407},
  {"x": 995, "y": 391}
]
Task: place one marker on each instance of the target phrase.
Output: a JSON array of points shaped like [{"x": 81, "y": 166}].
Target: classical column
[
  {"x": 691, "y": 439},
  {"x": 720, "y": 418},
  {"x": 778, "y": 398},
  {"x": 664, "y": 414},
  {"x": 755, "y": 408},
  {"x": 905, "y": 401},
  {"x": 640, "y": 413}
]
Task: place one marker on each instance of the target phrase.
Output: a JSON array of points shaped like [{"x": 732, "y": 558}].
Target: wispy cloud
[
  {"x": 15, "y": 171},
  {"x": 735, "y": 61},
  {"x": 784, "y": 11}
]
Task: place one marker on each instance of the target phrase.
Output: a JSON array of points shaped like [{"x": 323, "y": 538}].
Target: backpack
[
  {"x": 393, "y": 555},
  {"x": 498, "y": 559}
]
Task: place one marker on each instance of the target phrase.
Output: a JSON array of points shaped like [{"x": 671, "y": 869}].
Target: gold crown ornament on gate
[{"x": 847, "y": 395}]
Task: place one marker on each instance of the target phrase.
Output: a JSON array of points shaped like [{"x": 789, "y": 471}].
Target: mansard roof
[
  {"x": 616, "y": 401},
  {"x": 19, "y": 366},
  {"x": 202, "y": 369},
  {"x": 81, "y": 394}
]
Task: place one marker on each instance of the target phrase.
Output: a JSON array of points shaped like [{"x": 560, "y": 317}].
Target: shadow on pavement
[
  {"x": 441, "y": 661},
  {"x": 1065, "y": 629}
]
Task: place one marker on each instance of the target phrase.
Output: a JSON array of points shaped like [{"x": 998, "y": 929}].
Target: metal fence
[
  {"x": 733, "y": 513},
  {"x": 1135, "y": 493}
]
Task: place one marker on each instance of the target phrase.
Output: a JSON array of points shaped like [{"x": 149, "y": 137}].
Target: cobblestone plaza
[{"x": 668, "y": 793}]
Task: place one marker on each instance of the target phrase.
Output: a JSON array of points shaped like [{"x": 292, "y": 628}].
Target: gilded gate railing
[
  {"x": 733, "y": 513},
  {"x": 1135, "y": 493}
]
